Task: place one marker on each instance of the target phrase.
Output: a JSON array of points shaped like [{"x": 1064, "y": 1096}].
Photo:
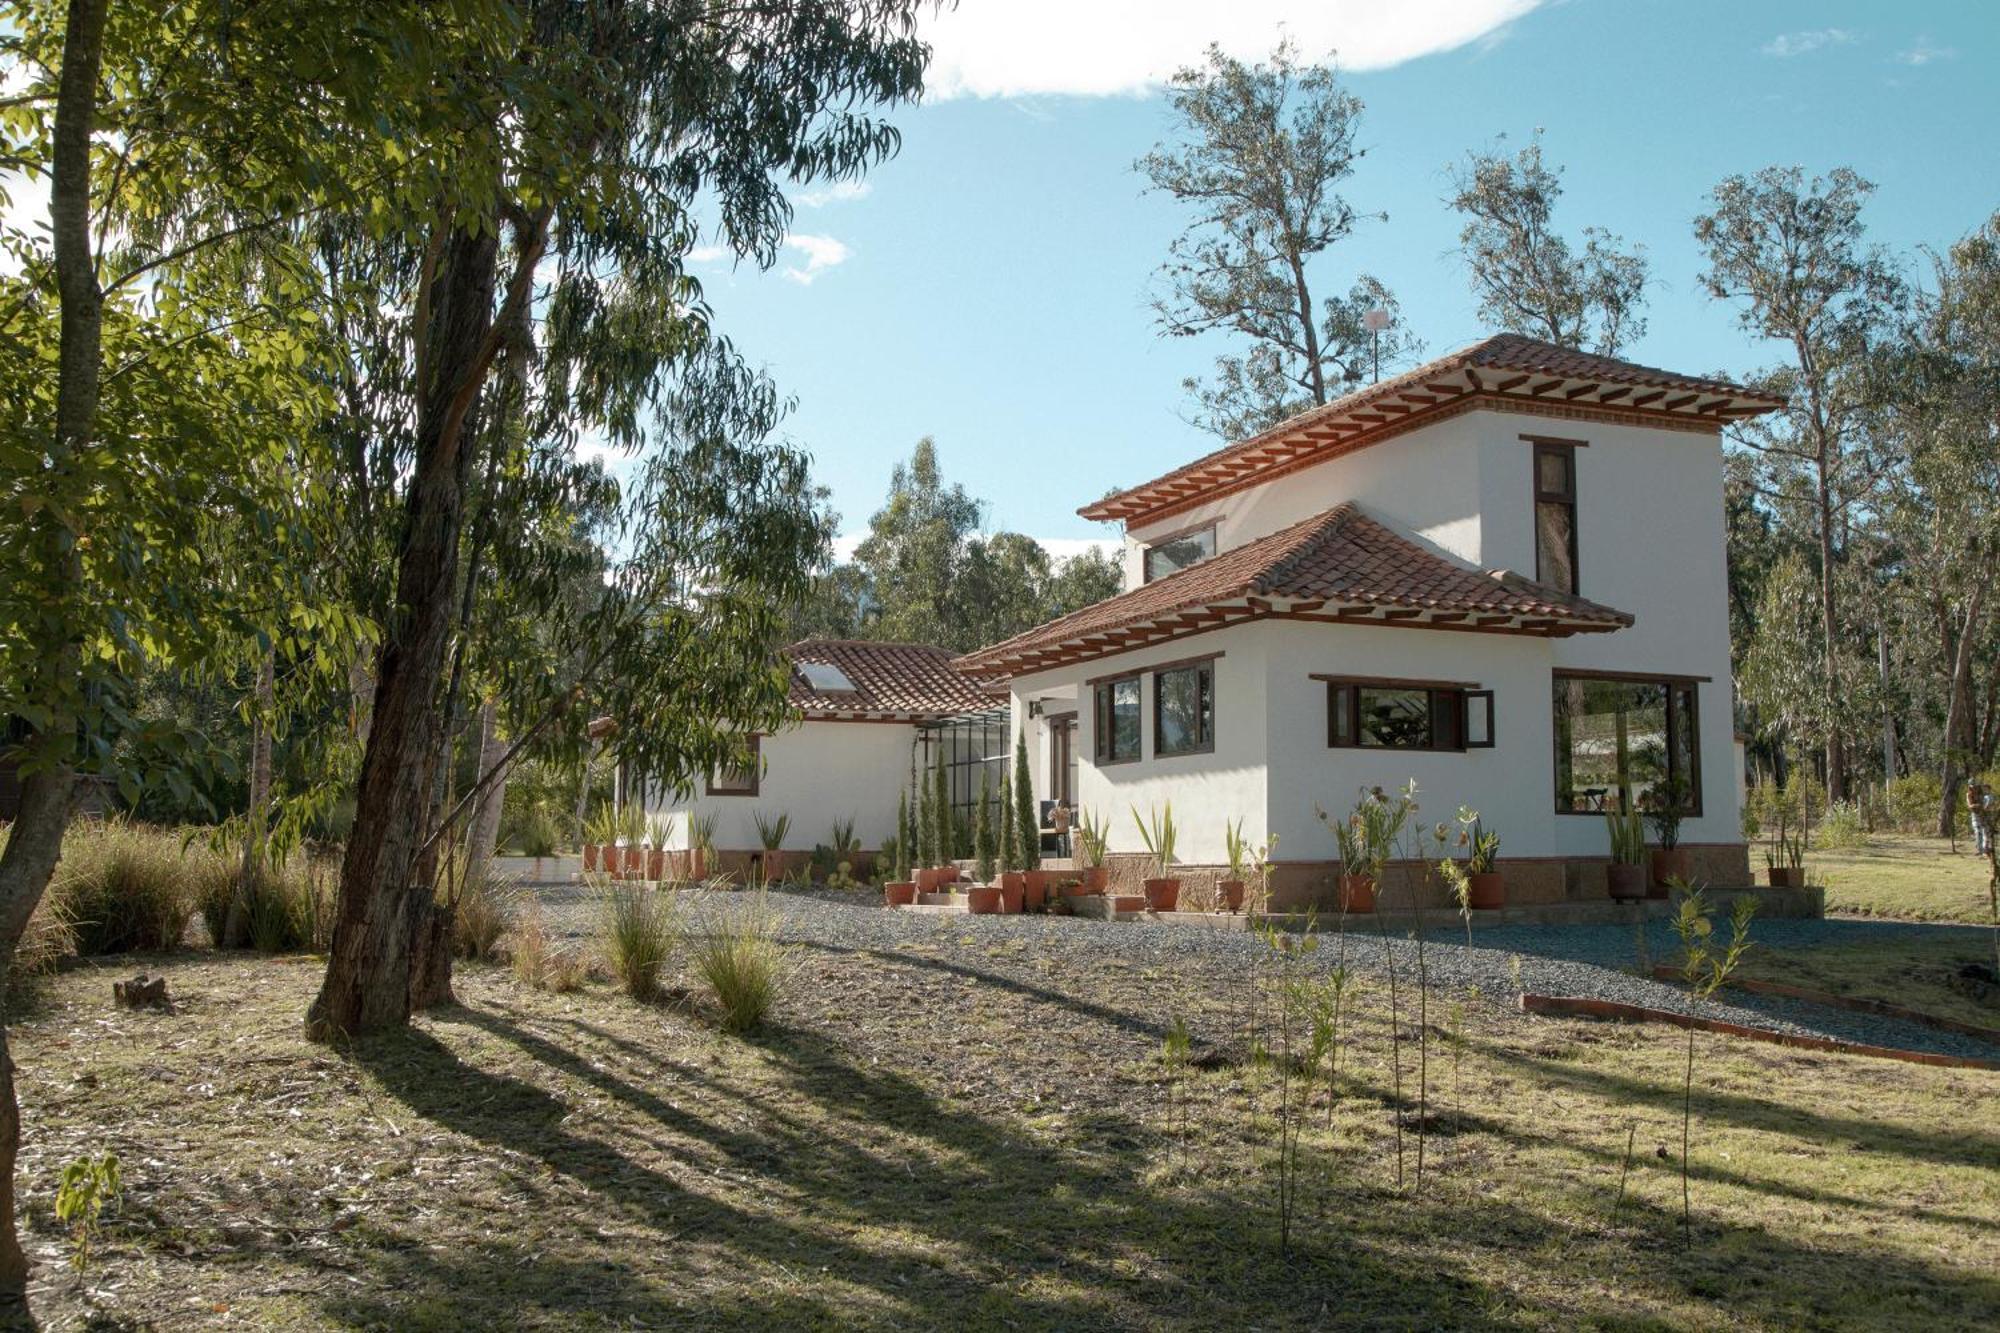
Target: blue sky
[{"x": 991, "y": 286}]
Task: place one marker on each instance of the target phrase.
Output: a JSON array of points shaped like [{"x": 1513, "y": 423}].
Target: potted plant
[
  {"x": 1785, "y": 858},
  {"x": 1229, "y": 890},
  {"x": 1163, "y": 891},
  {"x": 1665, "y": 807},
  {"x": 701, "y": 845},
  {"x": 1485, "y": 891},
  {"x": 658, "y": 829},
  {"x": 1363, "y": 840},
  {"x": 771, "y": 836},
  {"x": 600, "y": 831},
  {"x": 1626, "y": 875},
  {"x": 1093, "y": 837}
]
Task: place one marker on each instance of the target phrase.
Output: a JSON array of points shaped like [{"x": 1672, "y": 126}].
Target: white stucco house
[
  {"x": 869, "y": 715},
  {"x": 1501, "y": 574}
]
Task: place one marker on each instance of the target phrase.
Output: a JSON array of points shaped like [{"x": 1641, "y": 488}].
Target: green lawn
[
  {"x": 1918, "y": 970},
  {"x": 972, "y": 1137},
  {"x": 1899, "y": 875}
]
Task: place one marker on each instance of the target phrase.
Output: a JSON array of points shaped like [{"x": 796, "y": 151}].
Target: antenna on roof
[{"x": 1375, "y": 321}]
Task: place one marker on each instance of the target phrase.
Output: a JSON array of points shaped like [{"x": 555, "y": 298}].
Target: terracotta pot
[
  {"x": 1229, "y": 894},
  {"x": 774, "y": 866},
  {"x": 697, "y": 864},
  {"x": 656, "y": 863},
  {"x": 982, "y": 899},
  {"x": 948, "y": 873},
  {"x": 1486, "y": 891},
  {"x": 1012, "y": 880},
  {"x": 1127, "y": 902},
  {"x": 925, "y": 879},
  {"x": 1034, "y": 889},
  {"x": 590, "y": 853},
  {"x": 1626, "y": 883},
  {"x": 1096, "y": 879},
  {"x": 899, "y": 893},
  {"x": 1787, "y": 877},
  {"x": 1669, "y": 865},
  {"x": 1163, "y": 895},
  {"x": 1013, "y": 896},
  {"x": 1357, "y": 893}
]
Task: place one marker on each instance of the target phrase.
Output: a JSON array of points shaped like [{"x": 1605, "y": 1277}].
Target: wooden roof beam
[
  {"x": 1547, "y": 386},
  {"x": 1676, "y": 404},
  {"x": 1581, "y": 390},
  {"x": 1642, "y": 399},
  {"x": 1612, "y": 395}
]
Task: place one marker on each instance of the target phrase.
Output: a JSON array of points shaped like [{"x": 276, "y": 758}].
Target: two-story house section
[{"x": 1502, "y": 574}]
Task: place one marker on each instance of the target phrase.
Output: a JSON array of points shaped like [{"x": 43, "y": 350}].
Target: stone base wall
[{"x": 1298, "y": 886}]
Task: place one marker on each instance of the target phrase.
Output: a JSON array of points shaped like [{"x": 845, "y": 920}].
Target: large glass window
[
  {"x": 1117, "y": 720},
  {"x": 1184, "y": 709},
  {"x": 1177, "y": 553},
  {"x": 1625, "y": 743},
  {"x": 1407, "y": 715},
  {"x": 1555, "y": 515}
]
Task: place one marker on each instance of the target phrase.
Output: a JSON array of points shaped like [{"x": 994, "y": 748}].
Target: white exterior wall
[
  {"x": 816, "y": 772},
  {"x": 1651, "y": 542},
  {"x": 1207, "y": 790},
  {"x": 1426, "y": 484}
]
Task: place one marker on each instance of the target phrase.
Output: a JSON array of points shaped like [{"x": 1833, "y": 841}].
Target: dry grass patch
[
  {"x": 1904, "y": 875},
  {"x": 933, "y": 1137}
]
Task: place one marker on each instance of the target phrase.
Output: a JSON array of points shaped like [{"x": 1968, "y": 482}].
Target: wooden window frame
[
  {"x": 1543, "y": 447},
  {"x": 1212, "y": 526},
  {"x": 1464, "y": 692},
  {"x": 1674, "y": 686},
  {"x": 1203, "y": 666},
  {"x": 756, "y": 771},
  {"x": 1102, "y": 715}
]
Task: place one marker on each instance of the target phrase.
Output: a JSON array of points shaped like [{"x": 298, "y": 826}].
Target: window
[
  {"x": 1184, "y": 709},
  {"x": 738, "y": 778},
  {"x": 1406, "y": 715},
  {"x": 1177, "y": 553},
  {"x": 1621, "y": 740},
  {"x": 1555, "y": 514},
  {"x": 1117, "y": 721}
]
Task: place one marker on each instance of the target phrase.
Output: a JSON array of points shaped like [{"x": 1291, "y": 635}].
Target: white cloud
[
  {"x": 1099, "y": 48},
  {"x": 1805, "y": 43},
  {"x": 1923, "y": 53},
  {"x": 821, "y": 252},
  {"x": 709, "y": 254},
  {"x": 840, "y": 192}
]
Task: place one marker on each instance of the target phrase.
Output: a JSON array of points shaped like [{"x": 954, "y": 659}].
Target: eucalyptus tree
[
  {"x": 1528, "y": 278},
  {"x": 1791, "y": 253},
  {"x": 1260, "y": 156},
  {"x": 586, "y": 149},
  {"x": 162, "y": 367}
]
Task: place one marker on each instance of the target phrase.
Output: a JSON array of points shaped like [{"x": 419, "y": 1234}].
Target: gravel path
[{"x": 1593, "y": 961}]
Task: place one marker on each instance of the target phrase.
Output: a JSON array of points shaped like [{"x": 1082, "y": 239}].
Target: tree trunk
[
  {"x": 485, "y": 832},
  {"x": 236, "y": 926},
  {"x": 1836, "y": 759},
  {"x": 375, "y": 935},
  {"x": 1961, "y": 741},
  {"x": 35, "y": 842},
  {"x": 430, "y": 956}
]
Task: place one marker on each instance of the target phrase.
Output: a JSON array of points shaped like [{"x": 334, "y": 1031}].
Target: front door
[{"x": 1062, "y": 759}]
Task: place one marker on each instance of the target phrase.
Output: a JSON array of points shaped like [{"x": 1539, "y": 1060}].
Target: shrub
[
  {"x": 485, "y": 910},
  {"x": 640, "y": 928},
  {"x": 1841, "y": 827},
  {"x": 1913, "y": 802},
  {"x": 741, "y": 962},
  {"x": 125, "y": 887},
  {"x": 288, "y": 908}
]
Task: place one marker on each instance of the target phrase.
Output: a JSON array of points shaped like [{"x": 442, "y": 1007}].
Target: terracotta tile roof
[
  {"x": 889, "y": 679},
  {"x": 1506, "y": 368},
  {"x": 1337, "y": 564}
]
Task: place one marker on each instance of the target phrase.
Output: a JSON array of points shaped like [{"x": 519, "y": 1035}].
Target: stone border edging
[
  {"x": 1580, "y": 1007},
  {"x": 1858, "y": 1003}
]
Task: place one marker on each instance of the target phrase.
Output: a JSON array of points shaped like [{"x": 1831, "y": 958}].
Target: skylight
[{"x": 826, "y": 678}]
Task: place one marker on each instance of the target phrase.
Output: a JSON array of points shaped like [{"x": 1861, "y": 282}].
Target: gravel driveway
[{"x": 1594, "y": 961}]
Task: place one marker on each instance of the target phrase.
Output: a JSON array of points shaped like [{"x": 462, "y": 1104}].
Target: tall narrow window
[
  {"x": 1116, "y": 706},
  {"x": 1184, "y": 710},
  {"x": 1555, "y": 515}
]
